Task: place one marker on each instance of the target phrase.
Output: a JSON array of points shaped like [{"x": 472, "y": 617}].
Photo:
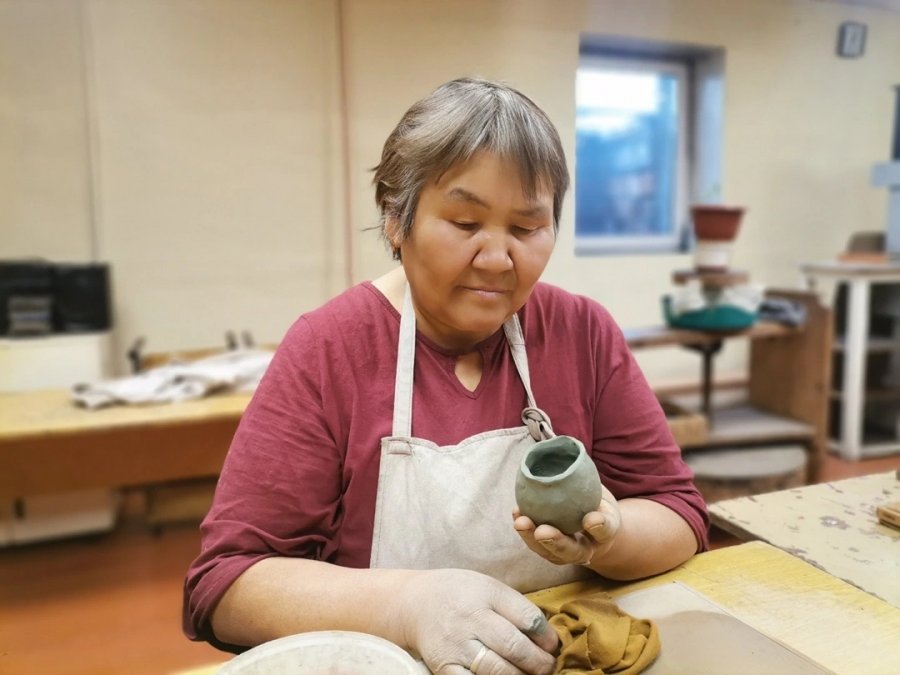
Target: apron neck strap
[{"x": 406, "y": 358}]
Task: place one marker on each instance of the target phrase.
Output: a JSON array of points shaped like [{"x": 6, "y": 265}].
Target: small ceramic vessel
[{"x": 558, "y": 483}]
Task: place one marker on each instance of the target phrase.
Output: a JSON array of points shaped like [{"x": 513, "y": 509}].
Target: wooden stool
[{"x": 741, "y": 472}]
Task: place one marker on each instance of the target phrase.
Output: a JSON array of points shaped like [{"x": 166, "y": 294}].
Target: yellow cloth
[{"x": 597, "y": 638}]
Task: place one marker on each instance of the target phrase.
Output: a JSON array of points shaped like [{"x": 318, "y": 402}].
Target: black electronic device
[
  {"x": 81, "y": 297},
  {"x": 26, "y": 297}
]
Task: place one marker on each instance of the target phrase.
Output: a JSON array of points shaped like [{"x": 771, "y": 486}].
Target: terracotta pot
[
  {"x": 713, "y": 222},
  {"x": 715, "y": 228},
  {"x": 558, "y": 484}
]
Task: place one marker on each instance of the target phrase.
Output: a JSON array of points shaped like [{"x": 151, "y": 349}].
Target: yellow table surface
[{"x": 816, "y": 614}]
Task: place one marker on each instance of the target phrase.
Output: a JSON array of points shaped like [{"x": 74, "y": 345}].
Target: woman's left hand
[{"x": 582, "y": 548}]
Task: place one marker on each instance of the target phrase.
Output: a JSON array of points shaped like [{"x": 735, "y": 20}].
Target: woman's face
[{"x": 476, "y": 249}]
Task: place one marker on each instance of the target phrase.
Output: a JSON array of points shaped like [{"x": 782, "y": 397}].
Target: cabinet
[
  {"x": 789, "y": 374},
  {"x": 865, "y": 392},
  {"x": 45, "y": 362}
]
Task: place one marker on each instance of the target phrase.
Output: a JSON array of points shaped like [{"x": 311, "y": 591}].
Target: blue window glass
[{"x": 627, "y": 154}]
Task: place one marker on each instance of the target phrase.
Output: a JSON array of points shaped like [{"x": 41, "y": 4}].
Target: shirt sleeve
[
  {"x": 279, "y": 488},
  {"x": 634, "y": 449}
]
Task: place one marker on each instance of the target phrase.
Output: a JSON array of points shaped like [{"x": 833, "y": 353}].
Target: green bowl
[{"x": 719, "y": 318}]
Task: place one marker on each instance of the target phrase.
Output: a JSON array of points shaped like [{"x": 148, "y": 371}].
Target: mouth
[{"x": 487, "y": 292}]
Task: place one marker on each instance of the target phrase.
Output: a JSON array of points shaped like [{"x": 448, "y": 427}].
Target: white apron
[{"x": 451, "y": 506}]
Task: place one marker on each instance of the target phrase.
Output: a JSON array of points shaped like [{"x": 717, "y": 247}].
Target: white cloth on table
[{"x": 237, "y": 370}]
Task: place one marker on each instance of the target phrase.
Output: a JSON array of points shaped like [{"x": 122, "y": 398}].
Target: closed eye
[{"x": 464, "y": 224}]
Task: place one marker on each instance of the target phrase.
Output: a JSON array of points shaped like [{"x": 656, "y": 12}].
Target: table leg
[
  {"x": 855, "y": 340},
  {"x": 707, "y": 351}
]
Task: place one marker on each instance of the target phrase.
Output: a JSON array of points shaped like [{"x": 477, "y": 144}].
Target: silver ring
[{"x": 479, "y": 657}]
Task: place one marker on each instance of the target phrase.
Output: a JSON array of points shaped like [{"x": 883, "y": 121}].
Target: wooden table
[
  {"x": 814, "y": 613},
  {"x": 831, "y": 525},
  {"x": 48, "y": 444}
]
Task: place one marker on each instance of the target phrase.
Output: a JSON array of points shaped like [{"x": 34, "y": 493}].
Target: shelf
[
  {"x": 786, "y": 399},
  {"x": 849, "y": 271},
  {"x": 870, "y": 449},
  {"x": 870, "y": 395},
  {"x": 873, "y": 345},
  {"x": 715, "y": 279},
  {"x": 662, "y": 336},
  {"x": 745, "y": 424}
]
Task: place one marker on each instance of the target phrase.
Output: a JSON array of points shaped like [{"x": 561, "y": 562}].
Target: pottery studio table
[
  {"x": 831, "y": 525},
  {"x": 814, "y": 613},
  {"x": 48, "y": 444}
]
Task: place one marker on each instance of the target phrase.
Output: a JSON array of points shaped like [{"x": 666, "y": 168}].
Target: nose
[{"x": 493, "y": 254}]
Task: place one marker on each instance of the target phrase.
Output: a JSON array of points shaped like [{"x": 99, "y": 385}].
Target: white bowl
[{"x": 324, "y": 653}]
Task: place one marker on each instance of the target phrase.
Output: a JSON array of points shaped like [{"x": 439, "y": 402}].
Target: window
[{"x": 635, "y": 138}]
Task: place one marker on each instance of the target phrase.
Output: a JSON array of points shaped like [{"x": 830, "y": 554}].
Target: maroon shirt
[{"x": 301, "y": 475}]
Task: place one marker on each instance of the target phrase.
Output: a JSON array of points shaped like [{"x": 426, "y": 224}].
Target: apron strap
[
  {"x": 406, "y": 358},
  {"x": 537, "y": 421}
]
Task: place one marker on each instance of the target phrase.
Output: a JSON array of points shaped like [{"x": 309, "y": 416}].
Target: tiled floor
[{"x": 111, "y": 604}]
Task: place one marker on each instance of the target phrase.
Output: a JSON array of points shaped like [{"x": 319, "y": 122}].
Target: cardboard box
[{"x": 688, "y": 427}]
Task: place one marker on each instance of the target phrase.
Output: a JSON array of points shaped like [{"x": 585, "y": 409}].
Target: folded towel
[
  {"x": 238, "y": 370},
  {"x": 596, "y": 637},
  {"x": 783, "y": 311}
]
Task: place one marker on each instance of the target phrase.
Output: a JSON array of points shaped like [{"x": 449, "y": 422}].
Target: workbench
[
  {"x": 831, "y": 525},
  {"x": 48, "y": 444},
  {"x": 815, "y": 614}
]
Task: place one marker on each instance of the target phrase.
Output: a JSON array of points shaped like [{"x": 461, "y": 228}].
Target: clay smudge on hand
[{"x": 538, "y": 626}]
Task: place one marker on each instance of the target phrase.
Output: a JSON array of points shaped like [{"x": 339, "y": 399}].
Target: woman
[{"x": 369, "y": 486}]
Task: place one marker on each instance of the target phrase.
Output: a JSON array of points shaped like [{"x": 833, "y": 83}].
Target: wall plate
[{"x": 851, "y": 39}]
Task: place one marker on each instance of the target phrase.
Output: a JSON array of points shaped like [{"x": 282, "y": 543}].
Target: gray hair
[{"x": 450, "y": 125}]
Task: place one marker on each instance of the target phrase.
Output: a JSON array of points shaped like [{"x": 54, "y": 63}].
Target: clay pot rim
[
  {"x": 577, "y": 447},
  {"x": 722, "y": 208}
]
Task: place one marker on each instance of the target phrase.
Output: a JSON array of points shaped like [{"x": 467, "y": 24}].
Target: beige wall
[
  {"x": 45, "y": 193},
  {"x": 207, "y": 135},
  {"x": 215, "y": 145},
  {"x": 195, "y": 146},
  {"x": 802, "y": 127}
]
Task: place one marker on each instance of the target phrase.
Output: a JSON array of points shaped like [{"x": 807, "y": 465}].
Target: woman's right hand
[{"x": 457, "y": 619}]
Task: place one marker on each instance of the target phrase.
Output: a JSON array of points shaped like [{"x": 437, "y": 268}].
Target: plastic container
[
  {"x": 324, "y": 653},
  {"x": 723, "y": 318}
]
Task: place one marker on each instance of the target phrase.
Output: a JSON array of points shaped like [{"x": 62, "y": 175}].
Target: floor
[{"x": 111, "y": 603}]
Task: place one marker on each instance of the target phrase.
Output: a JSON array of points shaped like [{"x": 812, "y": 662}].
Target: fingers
[
  {"x": 456, "y": 612},
  {"x": 574, "y": 550},
  {"x": 509, "y": 651},
  {"x": 489, "y": 662},
  {"x": 603, "y": 524},
  {"x": 551, "y": 544},
  {"x": 513, "y": 608},
  {"x": 526, "y": 529},
  {"x": 503, "y": 645}
]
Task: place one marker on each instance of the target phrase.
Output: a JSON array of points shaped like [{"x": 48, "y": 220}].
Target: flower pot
[
  {"x": 558, "y": 484},
  {"x": 715, "y": 228}
]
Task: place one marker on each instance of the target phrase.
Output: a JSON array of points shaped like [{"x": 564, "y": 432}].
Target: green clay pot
[{"x": 558, "y": 484}]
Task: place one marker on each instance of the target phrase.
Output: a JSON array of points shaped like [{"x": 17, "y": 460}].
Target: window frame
[{"x": 678, "y": 241}]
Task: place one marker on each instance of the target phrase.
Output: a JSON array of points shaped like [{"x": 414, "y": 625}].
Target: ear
[{"x": 392, "y": 232}]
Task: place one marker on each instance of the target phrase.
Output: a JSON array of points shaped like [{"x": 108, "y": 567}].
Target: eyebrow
[{"x": 459, "y": 194}]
